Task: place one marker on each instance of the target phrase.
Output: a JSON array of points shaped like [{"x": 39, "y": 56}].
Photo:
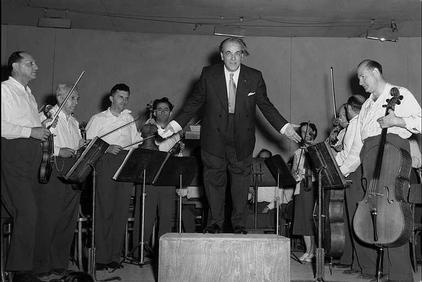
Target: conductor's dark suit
[{"x": 228, "y": 140}]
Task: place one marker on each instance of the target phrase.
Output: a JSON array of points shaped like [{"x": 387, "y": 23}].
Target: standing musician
[
  {"x": 57, "y": 201},
  {"x": 401, "y": 123},
  {"x": 160, "y": 204},
  {"x": 113, "y": 198},
  {"x": 353, "y": 193},
  {"x": 305, "y": 191},
  {"x": 21, "y": 133},
  {"x": 228, "y": 94}
]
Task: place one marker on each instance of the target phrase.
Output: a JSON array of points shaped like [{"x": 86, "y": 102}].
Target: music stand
[
  {"x": 329, "y": 177},
  {"x": 283, "y": 176},
  {"x": 140, "y": 166},
  {"x": 261, "y": 177},
  {"x": 177, "y": 171}
]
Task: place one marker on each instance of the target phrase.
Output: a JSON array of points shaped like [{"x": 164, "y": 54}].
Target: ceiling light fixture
[
  {"x": 387, "y": 33},
  {"x": 229, "y": 31}
]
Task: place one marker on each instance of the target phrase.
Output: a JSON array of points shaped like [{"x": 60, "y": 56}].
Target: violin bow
[
  {"x": 65, "y": 99},
  {"x": 333, "y": 91}
]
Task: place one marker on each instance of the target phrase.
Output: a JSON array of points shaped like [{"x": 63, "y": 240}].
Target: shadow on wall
[{"x": 355, "y": 88}]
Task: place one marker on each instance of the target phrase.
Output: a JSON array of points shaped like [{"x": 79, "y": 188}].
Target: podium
[{"x": 144, "y": 166}]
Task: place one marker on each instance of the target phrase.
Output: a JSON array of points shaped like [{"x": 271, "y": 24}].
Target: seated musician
[
  {"x": 21, "y": 134},
  {"x": 160, "y": 202},
  {"x": 401, "y": 123},
  {"x": 353, "y": 193},
  {"x": 58, "y": 202},
  {"x": 113, "y": 198},
  {"x": 305, "y": 191}
]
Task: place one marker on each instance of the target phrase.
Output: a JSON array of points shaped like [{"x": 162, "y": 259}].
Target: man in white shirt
[
  {"x": 400, "y": 123},
  {"x": 21, "y": 133},
  {"x": 113, "y": 198},
  {"x": 58, "y": 201},
  {"x": 354, "y": 192}
]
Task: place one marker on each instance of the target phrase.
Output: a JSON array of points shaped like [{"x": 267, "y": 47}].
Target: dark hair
[
  {"x": 121, "y": 87},
  {"x": 237, "y": 40},
  {"x": 264, "y": 151},
  {"x": 162, "y": 100},
  {"x": 371, "y": 64},
  {"x": 14, "y": 57},
  {"x": 355, "y": 102},
  {"x": 311, "y": 125}
]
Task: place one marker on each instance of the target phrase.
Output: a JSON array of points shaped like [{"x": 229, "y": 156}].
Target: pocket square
[{"x": 251, "y": 93}]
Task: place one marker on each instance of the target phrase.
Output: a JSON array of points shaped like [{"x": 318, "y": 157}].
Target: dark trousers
[
  {"x": 160, "y": 207},
  {"x": 20, "y": 160},
  {"x": 215, "y": 181},
  {"x": 397, "y": 262},
  {"x": 58, "y": 206},
  {"x": 112, "y": 209}
]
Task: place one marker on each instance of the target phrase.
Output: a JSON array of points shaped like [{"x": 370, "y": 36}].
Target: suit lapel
[
  {"x": 241, "y": 89},
  {"x": 220, "y": 83}
]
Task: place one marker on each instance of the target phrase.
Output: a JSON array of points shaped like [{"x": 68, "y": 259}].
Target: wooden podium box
[{"x": 224, "y": 257}]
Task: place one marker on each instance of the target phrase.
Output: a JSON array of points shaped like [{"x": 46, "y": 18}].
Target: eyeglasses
[
  {"x": 230, "y": 54},
  {"x": 163, "y": 110}
]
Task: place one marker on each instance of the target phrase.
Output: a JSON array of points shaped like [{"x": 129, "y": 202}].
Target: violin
[{"x": 149, "y": 130}]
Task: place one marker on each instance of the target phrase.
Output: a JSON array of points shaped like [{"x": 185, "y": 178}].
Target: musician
[
  {"x": 113, "y": 198},
  {"x": 353, "y": 193},
  {"x": 21, "y": 133},
  {"x": 228, "y": 94},
  {"x": 58, "y": 201},
  {"x": 160, "y": 204},
  {"x": 401, "y": 123},
  {"x": 340, "y": 124},
  {"x": 305, "y": 191}
]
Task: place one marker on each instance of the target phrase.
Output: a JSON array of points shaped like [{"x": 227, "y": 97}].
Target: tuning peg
[
  {"x": 384, "y": 106},
  {"x": 401, "y": 97},
  {"x": 398, "y": 102},
  {"x": 388, "y": 100}
]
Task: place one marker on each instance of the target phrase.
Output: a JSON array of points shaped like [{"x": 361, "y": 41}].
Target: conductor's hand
[
  {"x": 166, "y": 132},
  {"x": 290, "y": 132},
  {"x": 40, "y": 133},
  {"x": 66, "y": 153},
  {"x": 114, "y": 149}
]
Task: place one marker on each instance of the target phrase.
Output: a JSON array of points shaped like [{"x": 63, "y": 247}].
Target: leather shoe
[
  {"x": 101, "y": 266},
  {"x": 351, "y": 271},
  {"x": 60, "y": 271},
  {"x": 213, "y": 228},
  {"x": 341, "y": 265},
  {"x": 114, "y": 265},
  {"x": 239, "y": 230},
  {"x": 25, "y": 276}
]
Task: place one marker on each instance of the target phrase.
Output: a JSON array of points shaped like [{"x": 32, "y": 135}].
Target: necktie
[{"x": 232, "y": 94}]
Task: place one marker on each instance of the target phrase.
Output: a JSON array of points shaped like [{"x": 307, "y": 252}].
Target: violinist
[
  {"x": 21, "y": 133},
  {"x": 353, "y": 193},
  {"x": 113, "y": 198},
  {"x": 160, "y": 205},
  {"x": 58, "y": 202},
  {"x": 337, "y": 133},
  {"x": 400, "y": 123},
  {"x": 304, "y": 194}
]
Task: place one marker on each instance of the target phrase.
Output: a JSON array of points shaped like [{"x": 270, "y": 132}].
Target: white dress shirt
[
  {"x": 348, "y": 138},
  {"x": 19, "y": 111},
  {"x": 66, "y": 133},
  {"x": 368, "y": 126},
  {"x": 104, "y": 122}
]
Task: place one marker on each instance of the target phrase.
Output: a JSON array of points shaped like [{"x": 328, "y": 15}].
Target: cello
[{"x": 383, "y": 218}]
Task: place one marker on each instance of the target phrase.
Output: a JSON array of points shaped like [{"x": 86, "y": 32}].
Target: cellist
[
  {"x": 21, "y": 134},
  {"x": 401, "y": 123},
  {"x": 58, "y": 202}
]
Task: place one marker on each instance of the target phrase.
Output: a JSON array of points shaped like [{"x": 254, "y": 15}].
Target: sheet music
[{"x": 123, "y": 163}]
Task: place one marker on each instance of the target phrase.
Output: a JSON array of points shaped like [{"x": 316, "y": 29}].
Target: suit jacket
[{"x": 210, "y": 95}]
